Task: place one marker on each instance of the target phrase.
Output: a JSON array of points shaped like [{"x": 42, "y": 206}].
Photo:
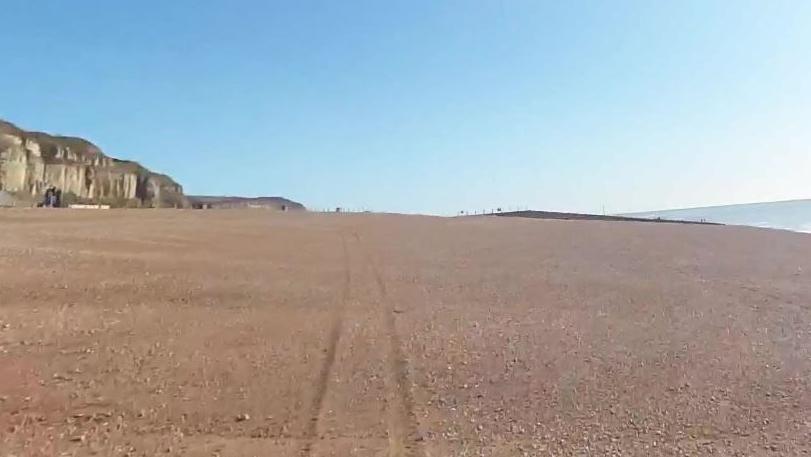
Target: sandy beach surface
[{"x": 253, "y": 333}]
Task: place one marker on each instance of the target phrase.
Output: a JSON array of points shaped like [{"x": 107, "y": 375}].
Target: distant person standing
[
  {"x": 52, "y": 198},
  {"x": 48, "y": 197}
]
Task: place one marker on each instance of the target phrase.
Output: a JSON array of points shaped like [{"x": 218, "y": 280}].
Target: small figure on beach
[{"x": 52, "y": 198}]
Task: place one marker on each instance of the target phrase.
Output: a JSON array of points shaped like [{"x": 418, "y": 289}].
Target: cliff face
[{"x": 30, "y": 162}]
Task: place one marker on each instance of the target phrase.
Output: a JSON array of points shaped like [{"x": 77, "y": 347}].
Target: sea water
[{"x": 788, "y": 215}]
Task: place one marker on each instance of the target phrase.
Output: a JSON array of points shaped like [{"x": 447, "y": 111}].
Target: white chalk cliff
[{"x": 30, "y": 162}]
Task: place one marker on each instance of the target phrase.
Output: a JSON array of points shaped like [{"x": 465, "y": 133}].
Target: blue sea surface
[{"x": 792, "y": 215}]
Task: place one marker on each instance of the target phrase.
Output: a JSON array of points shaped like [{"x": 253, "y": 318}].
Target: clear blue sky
[{"x": 429, "y": 106}]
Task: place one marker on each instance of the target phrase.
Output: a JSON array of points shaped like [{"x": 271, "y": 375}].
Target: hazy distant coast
[{"x": 794, "y": 215}]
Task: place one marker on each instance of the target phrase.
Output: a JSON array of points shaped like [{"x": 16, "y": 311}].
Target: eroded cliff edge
[{"x": 30, "y": 162}]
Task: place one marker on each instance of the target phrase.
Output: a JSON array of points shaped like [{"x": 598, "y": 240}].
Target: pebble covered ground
[{"x": 254, "y": 333}]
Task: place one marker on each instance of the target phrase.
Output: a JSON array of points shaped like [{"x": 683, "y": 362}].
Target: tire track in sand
[
  {"x": 404, "y": 437},
  {"x": 322, "y": 382}
]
